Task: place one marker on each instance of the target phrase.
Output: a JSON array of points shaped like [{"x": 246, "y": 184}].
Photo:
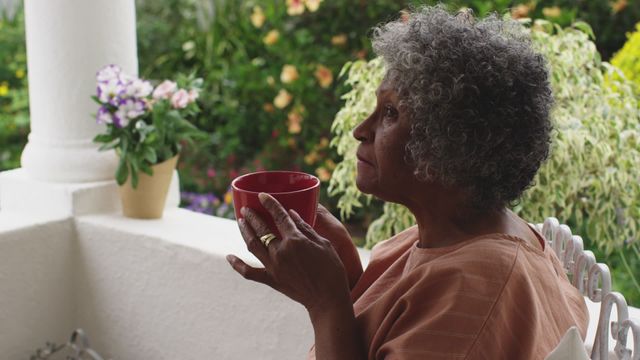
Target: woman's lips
[{"x": 363, "y": 161}]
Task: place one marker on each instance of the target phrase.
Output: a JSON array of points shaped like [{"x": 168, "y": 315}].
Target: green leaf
[
  {"x": 106, "y": 147},
  {"x": 134, "y": 172},
  {"x": 122, "y": 172},
  {"x": 103, "y": 138},
  {"x": 585, "y": 28},
  {"x": 145, "y": 168},
  {"x": 95, "y": 98},
  {"x": 150, "y": 155}
]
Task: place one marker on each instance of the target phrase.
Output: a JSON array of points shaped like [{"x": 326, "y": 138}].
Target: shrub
[
  {"x": 628, "y": 58},
  {"x": 14, "y": 97},
  {"x": 270, "y": 72},
  {"x": 609, "y": 19},
  {"x": 590, "y": 180}
]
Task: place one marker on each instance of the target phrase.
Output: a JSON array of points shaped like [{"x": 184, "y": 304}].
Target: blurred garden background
[{"x": 273, "y": 87}]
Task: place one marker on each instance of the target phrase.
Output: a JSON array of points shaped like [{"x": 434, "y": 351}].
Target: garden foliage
[
  {"x": 590, "y": 180},
  {"x": 628, "y": 58},
  {"x": 14, "y": 97},
  {"x": 269, "y": 68}
]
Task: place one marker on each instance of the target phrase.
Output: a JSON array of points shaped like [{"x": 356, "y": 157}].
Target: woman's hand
[
  {"x": 330, "y": 228},
  {"x": 302, "y": 264}
]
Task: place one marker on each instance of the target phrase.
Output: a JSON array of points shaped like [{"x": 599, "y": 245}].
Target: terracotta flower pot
[{"x": 148, "y": 199}]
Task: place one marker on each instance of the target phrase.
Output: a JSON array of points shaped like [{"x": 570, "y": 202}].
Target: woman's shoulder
[
  {"x": 396, "y": 245},
  {"x": 484, "y": 264}
]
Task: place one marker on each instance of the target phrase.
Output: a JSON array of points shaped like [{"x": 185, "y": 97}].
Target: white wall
[
  {"x": 141, "y": 289},
  {"x": 163, "y": 290},
  {"x": 37, "y": 299}
]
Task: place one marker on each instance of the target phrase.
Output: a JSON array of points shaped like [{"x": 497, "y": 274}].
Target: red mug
[{"x": 294, "y": 190}]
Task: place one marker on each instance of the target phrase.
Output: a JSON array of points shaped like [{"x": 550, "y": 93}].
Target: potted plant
[{"x": 147, "y": 127}]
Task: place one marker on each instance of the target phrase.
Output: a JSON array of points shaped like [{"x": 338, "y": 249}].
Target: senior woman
[{"x": 459, "y": 131}]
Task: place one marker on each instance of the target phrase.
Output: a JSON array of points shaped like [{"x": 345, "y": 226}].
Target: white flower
[
  {"x": 138, "y": 88},
  {"x": 108, "y": 73},
  {"x": 126, "y": 79},
  {"x": 165, "y": 90},
  {"x": 180, "y": 99},
  {"x": 109, "y": 90},
  {"x": 193, "y": 95}
]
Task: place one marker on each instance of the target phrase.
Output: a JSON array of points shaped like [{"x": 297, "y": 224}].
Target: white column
[
  {"x": 62, "y": 172},
  {"x": 68, "y": 41}
]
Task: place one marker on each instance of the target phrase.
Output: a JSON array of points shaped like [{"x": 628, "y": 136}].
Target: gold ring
[{"x": 267, "y": 238}]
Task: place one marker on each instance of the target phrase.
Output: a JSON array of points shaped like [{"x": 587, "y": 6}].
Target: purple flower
[
  {"x": 119, "y": 121},
  {"x": 104, "y": 116},
  {"x": 110, "y": 91},
  {"x": 129, "y": 109}
]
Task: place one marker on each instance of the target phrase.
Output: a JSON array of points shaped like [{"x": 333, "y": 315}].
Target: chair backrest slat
[{"x": 593, "y": 280}]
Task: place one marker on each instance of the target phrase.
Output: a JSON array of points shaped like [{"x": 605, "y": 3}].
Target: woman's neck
[{"x": 444, "y": 220}]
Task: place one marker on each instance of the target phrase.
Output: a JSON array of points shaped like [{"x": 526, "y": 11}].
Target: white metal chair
[{"x": 593, "y": 280}]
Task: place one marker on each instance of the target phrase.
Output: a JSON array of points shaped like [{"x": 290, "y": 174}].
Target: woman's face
[{"x": 382, "y": 169}]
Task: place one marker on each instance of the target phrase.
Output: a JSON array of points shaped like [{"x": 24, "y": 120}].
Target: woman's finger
[
  {"x": 304, "y": 228},
  {"x": 254, "y": 245},
  {"x": 280, "y": 216},
  {"x": 250, "y": 273},
  {"x": 258, "y": 224}
]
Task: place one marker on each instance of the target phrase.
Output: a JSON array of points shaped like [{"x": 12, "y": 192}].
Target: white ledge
[
  {"x": 212, "y": 235},
  {"x": 142, "y": 289}
]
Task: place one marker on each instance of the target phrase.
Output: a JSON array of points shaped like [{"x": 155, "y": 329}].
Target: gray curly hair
[{"x": 478, "y": 96}]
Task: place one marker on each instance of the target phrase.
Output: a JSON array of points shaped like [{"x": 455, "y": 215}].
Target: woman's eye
[{"x": 390, "y": 112}]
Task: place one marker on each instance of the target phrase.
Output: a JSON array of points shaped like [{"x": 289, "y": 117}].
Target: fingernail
[
  {"x": 229, "y": 258},
  {"x": 243, "y": 211},
  {"x": 293, "y": 212},
  {"x": 263, "y": 197},
  {"x": 241, "y": 221}
]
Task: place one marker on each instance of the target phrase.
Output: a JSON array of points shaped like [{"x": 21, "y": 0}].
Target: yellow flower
[
  {"x": 551, "y": 12},
  {"x": 282, "y": 99},
  {"x": 20, "y": 73},
  {"x": 257, "y": 17},
  {"x": 323, "y": 174},
  {"x": 268, "y": 107},
  {"x": 311, "y": 158},
  {"x": 405, "y": 15},
  {"x": 4, "y": 89},
  {"x": 271, "y": 81},
  {"x": 339, "y": 40},
  {"x": 312, "y": 5},
  {"x": 520, "y": 11},
  {"x": 619, "y": 6},
  {"x": 295, "y": 119},
  {"x": 228, "y": 197},
  {"x": 330, "y": 164},
  {"x": 295, "y": 7},
  {"x": 289, "y": 74},
  {"x": 324, "y": 76},
  {"x": 324, "y": 142},
  {"x": 271, "y": 37}
]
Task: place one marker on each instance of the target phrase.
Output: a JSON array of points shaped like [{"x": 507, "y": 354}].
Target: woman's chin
[{"x": 365, "y": 184}]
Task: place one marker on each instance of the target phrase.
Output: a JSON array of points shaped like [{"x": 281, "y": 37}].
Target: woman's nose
[{"x": 363, "y": 132}]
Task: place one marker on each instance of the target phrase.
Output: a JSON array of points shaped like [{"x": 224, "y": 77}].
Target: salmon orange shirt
[{"x": 490, "y": 297}]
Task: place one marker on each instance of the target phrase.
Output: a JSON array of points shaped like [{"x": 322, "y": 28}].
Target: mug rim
[{"x": 235, "y": 188}]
